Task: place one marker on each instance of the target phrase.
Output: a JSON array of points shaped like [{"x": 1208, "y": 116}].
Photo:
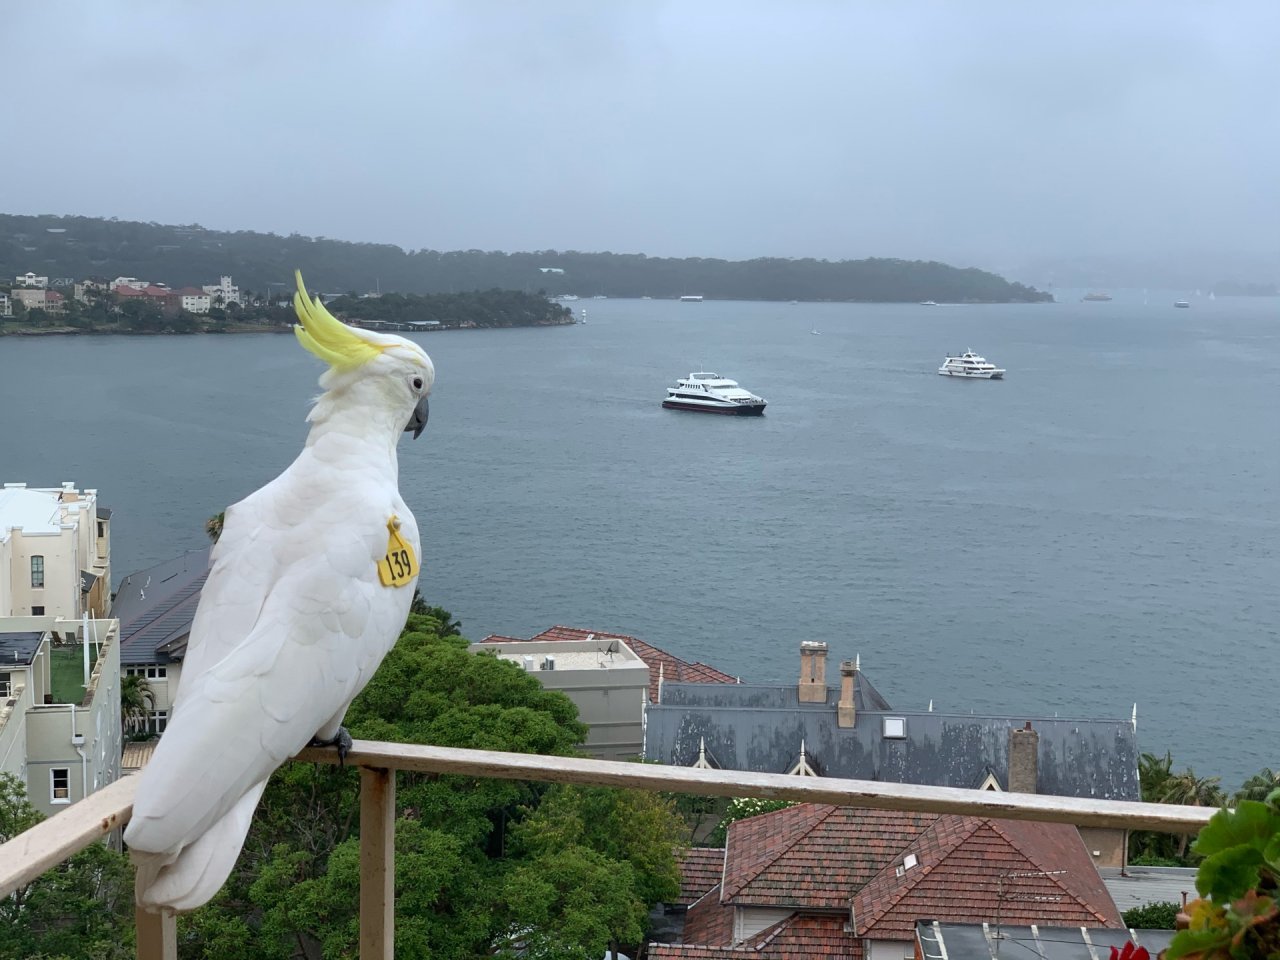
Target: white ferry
[
  {"x": 711, "y": 393},
  {"x": 691, "y": 298},
  {"x": 969, "y": 364}
]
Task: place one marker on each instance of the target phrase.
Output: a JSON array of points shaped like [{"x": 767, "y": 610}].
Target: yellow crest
[{"x": 326, "y": 336}]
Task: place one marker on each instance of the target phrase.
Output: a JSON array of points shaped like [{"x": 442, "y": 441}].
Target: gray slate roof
[
  {"x": 19, "y": 647},
  {"x": 1139, "y": 886},
  {"x": 760, "y": 728},
  {"x": 156, "y": 606}
]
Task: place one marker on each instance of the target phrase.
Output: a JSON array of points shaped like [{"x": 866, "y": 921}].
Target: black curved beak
[{"x": 418, "y": 420}]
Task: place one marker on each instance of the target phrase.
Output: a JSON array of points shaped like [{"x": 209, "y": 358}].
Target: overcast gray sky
[{"x": 975, "y": 132}]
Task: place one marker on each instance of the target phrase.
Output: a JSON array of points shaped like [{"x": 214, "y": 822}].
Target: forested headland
[{"x": 80, "y": 247}]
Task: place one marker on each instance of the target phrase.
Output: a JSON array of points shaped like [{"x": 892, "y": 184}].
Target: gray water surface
[{"x": 1096, "y": 530}]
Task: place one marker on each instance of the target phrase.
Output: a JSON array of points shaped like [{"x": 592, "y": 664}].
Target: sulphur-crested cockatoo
[{"x": 309, "y": 587}]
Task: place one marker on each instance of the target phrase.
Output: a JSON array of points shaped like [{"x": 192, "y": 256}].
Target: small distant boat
[
  {"x": 1096, "y": 296},
  {"x": 567, "y": 296},
  {"x": 969, "y": 364},
  {"x": 584, "y": 315},
  {"x": 928, "y": 303},
  {"x": 691, "y": 298},
  {"x": 711, "y": 393},
  {"x": 646, "y": 298},
  {"x": 600, "y": 296},
  {"x": 816, "y": 332},
  {"x": 1182, "y": 303}
]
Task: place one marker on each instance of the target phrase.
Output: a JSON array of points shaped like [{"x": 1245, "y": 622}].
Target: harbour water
[{"x": 1097, "y": 530}]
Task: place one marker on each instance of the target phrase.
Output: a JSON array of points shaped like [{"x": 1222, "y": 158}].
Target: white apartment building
[
  {"x": 226, "y": 290},
  {"x": 193, "y": 300},
  {"x": 60, "y": 707},
  {"x": 55, "y": 552},
  {"x": 605, "y": 678},
  {"x": 6, "y": 306},
  {"x": 133, "y": 283},
  {"x": 30, "y": 280}
]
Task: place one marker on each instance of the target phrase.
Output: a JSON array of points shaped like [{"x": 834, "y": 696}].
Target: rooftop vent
[
  {"x": 548, "y": 662},
  {"x": 528, "y": 664},
  {"x": 895, "y": 728}
]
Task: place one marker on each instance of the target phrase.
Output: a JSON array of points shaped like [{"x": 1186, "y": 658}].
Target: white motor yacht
[
  {"x": 711, "y": 393},
  {"x": 969, "y": 364}
]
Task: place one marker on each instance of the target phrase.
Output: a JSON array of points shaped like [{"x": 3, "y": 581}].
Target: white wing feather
[{"x": 291, "y": 624}]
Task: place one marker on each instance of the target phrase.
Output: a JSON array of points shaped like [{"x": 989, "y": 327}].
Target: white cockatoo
[{"x": 309, "y": 587}]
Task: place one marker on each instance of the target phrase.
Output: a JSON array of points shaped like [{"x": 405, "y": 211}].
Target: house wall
[
  {"x": 889, "y": 949},
  {"x": 610, "y": 689},
  {"x": 1107, "y": 847},
  {"x": 60, "y": 595},
  {"x": 84, "y": 739},
  {"x": 748, "y": 921},
  {"x": 13, "y": 720}
]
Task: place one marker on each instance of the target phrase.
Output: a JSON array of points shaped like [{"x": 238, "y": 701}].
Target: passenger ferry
[
  {"x": 969, "y": 364},
  {"x": 711, "y": 393},
  {"x": 691, "y": 298}
]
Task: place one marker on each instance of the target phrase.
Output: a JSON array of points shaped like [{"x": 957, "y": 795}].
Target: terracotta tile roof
[
  {"x": 700, "y": 869},
  {"x": 817, "y": 858},
  {"x": 658, "y": 661},
  {"x": 812, "y": 855},
  {"x": 709, "y": 921},
  {"x": 799, "y": 937}
]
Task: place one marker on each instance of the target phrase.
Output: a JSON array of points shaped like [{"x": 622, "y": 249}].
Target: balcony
[{"x": 30, "y": 854}]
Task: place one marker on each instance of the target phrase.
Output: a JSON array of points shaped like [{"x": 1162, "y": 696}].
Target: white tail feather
[{"x": 189, "y": 879}]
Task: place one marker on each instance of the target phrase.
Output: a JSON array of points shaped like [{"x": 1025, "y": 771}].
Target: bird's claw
[{"x": 341, "y": 740}]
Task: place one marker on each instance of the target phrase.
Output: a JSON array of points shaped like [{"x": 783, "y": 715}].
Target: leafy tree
[
  {"x": 213, "y": 526},
  {"x": 1152, "y": 916},
  {"x": 740, "y": 809},
  {"x": 136, "y": 702},
  {"x": 1258, "y": 787},
  {"x": 83, "y": 907},
  {"x": 1189, "y": 790}
]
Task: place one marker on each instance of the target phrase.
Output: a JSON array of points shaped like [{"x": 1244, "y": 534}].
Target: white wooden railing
[{"x": 30, "y": 854}]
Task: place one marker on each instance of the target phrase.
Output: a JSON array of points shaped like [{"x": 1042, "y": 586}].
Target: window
[
  {"x": 60, "y": 785},
  {"x": 895, "y": 728},
  {"x": 151, "y": 672},
  {"x": 157, "y": 720},
  {"x": 6, "y": 686},
  {"x": 37, "y": 611},
  {"x": 37, "y": 571},
  {"x": 102, "y": 529}
]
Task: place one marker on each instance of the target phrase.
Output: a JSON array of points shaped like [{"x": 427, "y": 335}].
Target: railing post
[
  {"x": 377, "y": 863},
  {"x": 157, "y": 934}
]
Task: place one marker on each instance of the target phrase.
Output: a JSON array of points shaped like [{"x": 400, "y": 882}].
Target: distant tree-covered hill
[{"x": 78, "y": 247}]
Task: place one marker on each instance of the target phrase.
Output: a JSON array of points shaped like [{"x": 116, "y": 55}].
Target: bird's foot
[{"x": 342, "y": 740}]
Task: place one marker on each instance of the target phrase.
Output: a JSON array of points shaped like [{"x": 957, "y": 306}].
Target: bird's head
[{"x": 389, "y": 371}]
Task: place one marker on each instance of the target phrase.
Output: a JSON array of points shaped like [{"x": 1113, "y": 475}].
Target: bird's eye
[{"x": 417, "y": 383}]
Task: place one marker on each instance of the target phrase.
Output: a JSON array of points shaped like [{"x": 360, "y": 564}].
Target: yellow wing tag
[{"x": 399, "y": 566}]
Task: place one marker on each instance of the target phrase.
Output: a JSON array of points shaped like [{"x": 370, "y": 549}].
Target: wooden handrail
[{"x": 28, "y": 855}]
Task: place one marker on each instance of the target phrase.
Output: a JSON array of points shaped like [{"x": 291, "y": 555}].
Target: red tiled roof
[
  {"x": 658, "y": 661},
  {"x": 971, "y": 882},
  {"x": 799, "y": 937},
  {"x": 700, "y": 870},
  {"x": 817, "y": 857},
  {"x": 813, "y": 856},
  {"x": 709, "y": 922}
]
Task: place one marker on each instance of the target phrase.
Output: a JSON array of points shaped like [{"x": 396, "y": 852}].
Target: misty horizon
[{"x": 996, "y": 136}]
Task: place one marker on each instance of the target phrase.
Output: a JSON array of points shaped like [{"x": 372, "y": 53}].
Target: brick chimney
[
  {"x": 813, "y": 672},
  {"x": 846, "y": 714},
  {"x": 1024, "y": 757}
]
